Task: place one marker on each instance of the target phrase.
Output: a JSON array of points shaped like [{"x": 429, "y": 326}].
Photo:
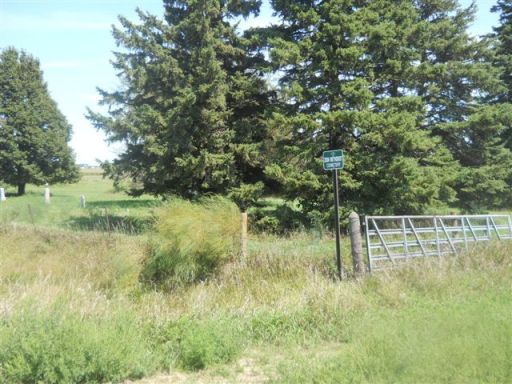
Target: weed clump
[{"x": 192, "y": 241}]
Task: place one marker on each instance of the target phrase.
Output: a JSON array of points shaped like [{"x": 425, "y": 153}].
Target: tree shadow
[
  {"x": 11, "y": 194},
  {"x": 124, "y": 204},
  {"x": 107, "y": 222}
]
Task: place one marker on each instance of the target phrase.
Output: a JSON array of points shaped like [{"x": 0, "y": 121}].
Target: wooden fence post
[
  {"x": 82, "y": 201},
  {"x": 356, "y": 242},
  {"x": 243, "y": 237}
]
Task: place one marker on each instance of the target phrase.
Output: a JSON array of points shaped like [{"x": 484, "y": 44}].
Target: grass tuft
[{"x": 193, "y": 241}]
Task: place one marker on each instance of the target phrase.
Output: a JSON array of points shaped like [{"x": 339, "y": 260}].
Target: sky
[{"x": 73, "y": 41}]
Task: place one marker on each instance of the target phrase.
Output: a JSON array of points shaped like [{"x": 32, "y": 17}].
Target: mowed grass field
[
  {"x": 105, "y": 209},
  {"x": 72, "y": 308}
]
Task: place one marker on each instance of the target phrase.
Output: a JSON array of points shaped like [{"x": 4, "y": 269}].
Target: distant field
[
  {"x": 72, "y": 308},
  {"x": 105, "y": 209}
]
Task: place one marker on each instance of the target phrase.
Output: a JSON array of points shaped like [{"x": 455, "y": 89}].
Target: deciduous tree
[{"x": 34, "y": 134}]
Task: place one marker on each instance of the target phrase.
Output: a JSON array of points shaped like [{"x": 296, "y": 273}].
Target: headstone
[
  {"x": 2, "y": 194},
  {"x": 47, "y": 194},
  {"x": 82, "y": 201}
]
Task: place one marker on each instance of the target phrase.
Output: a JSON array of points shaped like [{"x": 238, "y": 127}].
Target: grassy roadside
[{"x": 72, "y": 309}]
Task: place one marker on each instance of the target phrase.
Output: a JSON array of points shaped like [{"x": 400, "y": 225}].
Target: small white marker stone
[{"x": 47, "y": 194}]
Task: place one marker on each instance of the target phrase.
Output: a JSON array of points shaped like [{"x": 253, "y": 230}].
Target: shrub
[
  {"x": 192, "y": 241},
  {"x": 276, "y": 216},
  {"x": 267, "y": 224}
]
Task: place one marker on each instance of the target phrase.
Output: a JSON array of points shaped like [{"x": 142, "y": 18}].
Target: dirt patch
[{"x": 245, "y": 371}]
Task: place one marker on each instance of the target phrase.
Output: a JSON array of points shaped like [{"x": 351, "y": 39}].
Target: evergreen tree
[
  {"x": 191, "y": 111},
  {"x": 504, "y": 45},
  {"x": 34, "y": 133},
  {"x": 344, "y": 65},
  {"x": 462, "y": 87},
  {"x": 496, "y": 119},
  {"x": 402, "y": 88}
]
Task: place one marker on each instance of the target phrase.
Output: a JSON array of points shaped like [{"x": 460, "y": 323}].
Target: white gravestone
[{"x": 47, "y": 194}]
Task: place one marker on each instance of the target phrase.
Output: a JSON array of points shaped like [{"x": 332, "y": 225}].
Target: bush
[
  {"x": 278, "y": 217},
  {"x": 192, "y": 241}
]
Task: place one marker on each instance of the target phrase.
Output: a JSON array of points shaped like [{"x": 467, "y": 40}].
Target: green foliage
[
  {"x": 503, "y": 35},
  {"x": 34, "y": 134},
  {"x": 417, "y": 104},
  {"x": 355, "y": 97},
  {"x": 191, "y": 111},
  {"x": 202, "y": 344},
  {"x": 277, "y": 216},
  {"x": 192, "y": 242},
  {"x": 403, "y": 89},
  {"x": 246, "y": 194},
  {"x": 61, "y": 347}
]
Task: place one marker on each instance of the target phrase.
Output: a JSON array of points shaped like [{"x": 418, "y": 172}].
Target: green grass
[
  {"x": 59, "y": 346},
  {"x": 192, "y": 242},
  {"x": 445, "y": 341},
  {"x": 72, "y": 310},
  {"x": 106, "y": 210}
]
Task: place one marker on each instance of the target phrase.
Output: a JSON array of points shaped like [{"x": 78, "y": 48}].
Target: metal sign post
[{"x": 334, "y": 160}]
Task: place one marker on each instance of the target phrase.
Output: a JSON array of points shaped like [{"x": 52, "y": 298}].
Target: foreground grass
[{"x": 72, "y": 310}]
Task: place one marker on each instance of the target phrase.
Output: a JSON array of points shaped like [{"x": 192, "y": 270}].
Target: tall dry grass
[
  {"x": 192, "y": 241},
  {"x": 431, "y": 321}
]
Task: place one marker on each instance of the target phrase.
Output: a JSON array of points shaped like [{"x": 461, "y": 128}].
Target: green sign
[{"x": 333, "y": 159}]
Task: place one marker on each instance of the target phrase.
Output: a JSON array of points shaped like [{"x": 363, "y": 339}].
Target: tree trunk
[{"x": 21, "y": 189}]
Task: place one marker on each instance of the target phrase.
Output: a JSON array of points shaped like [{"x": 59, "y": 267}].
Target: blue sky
[{"x": 73, "y": 42}]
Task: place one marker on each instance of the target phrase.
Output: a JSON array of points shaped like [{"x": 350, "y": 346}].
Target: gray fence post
[
  {"x": 356, "y": 242},
  {"x": 82, "y": 201},
  {"x": 2, "y": 194}
]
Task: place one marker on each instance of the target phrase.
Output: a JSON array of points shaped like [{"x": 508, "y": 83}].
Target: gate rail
[{"x": 391, "y": 239}]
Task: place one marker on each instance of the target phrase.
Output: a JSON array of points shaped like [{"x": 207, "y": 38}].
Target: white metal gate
[{"x": 391, "y": 239}]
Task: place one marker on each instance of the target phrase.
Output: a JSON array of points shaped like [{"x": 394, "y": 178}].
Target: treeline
[{"x": 420, "y": 107}]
